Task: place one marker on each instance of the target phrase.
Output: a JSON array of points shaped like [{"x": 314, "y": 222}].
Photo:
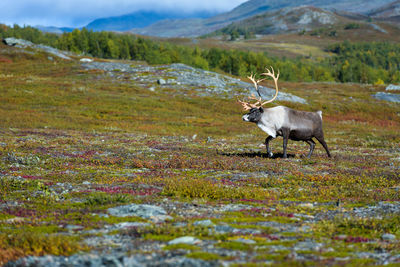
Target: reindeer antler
[
  {"x": 259, "y": 103},
  {"x": 275, "y": 78},
  {"x": 255, "y": 82},
  {"x": 247, "y": 105}
]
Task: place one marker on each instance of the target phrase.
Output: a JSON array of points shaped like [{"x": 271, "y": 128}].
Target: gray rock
[
  {"x": 381, "y": 258},
  {"x": 112, "y": 260},
  {"x": 245, "y": 241},
  {"x": 277, "y": 248},
  {"x": 224, "y": 229},
  {"x": 124, "y": 225},
  {"x": 392, "y": 87},
  {"x": 161, "y": 81},
  {"x": 205, "y": 83},
  {"x": 171, "y": 81},
  {"x": 86, "y": 60},
  {"x": 204, "y": 223},
  {"x": 378, "y": 28},
  {"x": 190, "y": 240},
  {"x": 227, "y": 229},
  {"x": 387, "y": 97},
  {"x": 306, "y": 205},
  {"x": 23, "y": 44},
  {"x": 17, "y": 42},
  {"x": 379, "y": 210},
  {"x": 71, "y": 227},
  {"x": 388, "y": 237},
  {"x": 235, "y": 207},
  {"x": 180, "y": 224},
  {"x": 145, "y": 211},
  {"x": 308, "y": 246},
  {"x": 182, "y": 262}
]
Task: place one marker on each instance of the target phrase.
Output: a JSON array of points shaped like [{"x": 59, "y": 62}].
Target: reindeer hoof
[{"x": 270, "y": 155}]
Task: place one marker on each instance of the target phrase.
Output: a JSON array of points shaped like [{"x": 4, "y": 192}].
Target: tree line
[{"x": 352, "y": 62}]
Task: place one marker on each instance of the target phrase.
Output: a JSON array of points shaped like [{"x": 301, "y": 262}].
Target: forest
[{"x": 372, "y": 62}]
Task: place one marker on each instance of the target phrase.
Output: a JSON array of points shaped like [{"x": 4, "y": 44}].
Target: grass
[
  {"x": 36, "y": 241},
  {"x": 74, "y": 143}
]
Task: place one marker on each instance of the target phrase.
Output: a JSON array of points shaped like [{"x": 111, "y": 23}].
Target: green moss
[
  {"x": 100, "y": 198},
  {"x": 286, "y": 243},
  {"x": 336, "y": 254},
  {"x": 203, "y": 188},
  {"x": 4, "y": 217},
  {"x": 203, "y": 256},
  {"x": 235, "y": 246},
  {"x": 369, "y": 228},
  {"x": 158, "y": 237},
  {"x": 360, "y": 262},
  {"x": 249, "y": 264},
  {"x": 181, "y": 246},
  {"x": 39, "y": 241},
  {"x": 278, "y": 256},
  {"x": 281, "y": 219}
]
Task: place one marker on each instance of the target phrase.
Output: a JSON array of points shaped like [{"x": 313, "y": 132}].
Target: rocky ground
[
  {"x": 143, "y": 201},
  {"x": 185, "y": 80},
  {"x": 73, "y": 197}
]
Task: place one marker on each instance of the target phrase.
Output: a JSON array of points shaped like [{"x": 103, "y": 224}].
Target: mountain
[
  {"x": 140, "y": 19},
  {"x": 389, "y": 13},
  {"x": 286, "y": 20},
  {"x": 386, "y": 11},
  {"x": 52, "y": 29},
  {"x": 198, "y": 27}
]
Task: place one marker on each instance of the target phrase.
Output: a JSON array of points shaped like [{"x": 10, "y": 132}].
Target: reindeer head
[
  {"x": 254, "y": 115},
  {"x": 259, "y": 103}
]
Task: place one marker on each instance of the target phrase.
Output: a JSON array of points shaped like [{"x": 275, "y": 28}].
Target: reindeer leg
[
  {"x": 269, "y": 153},
  {"x": 285, "y": 134},
  {"x": 312, "y": 145},
  {"x": 321, "y": 139}
]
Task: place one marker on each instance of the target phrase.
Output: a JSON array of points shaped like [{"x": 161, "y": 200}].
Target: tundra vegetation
[{"x": 76, "y": 142}]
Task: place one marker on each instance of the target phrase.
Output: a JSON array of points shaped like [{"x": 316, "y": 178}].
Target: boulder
[
  {"x": 190, "y": 240},
  {"x": 154, "y": 213},
  {"x": 387, "y": 97},
  {"x": 392, "y": 87},
  {"x": 23, "y": 44}
]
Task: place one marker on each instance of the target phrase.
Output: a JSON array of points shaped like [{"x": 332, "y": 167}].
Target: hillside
[
  {"x": 193, "y": 28},
  {"x": 118, "y": 162},
  {"x": 386, "y": 11},
  {"x": 287, "y": 20},
  {"x": 314, "y": 21},
  {"x": 389, "y": 13},
  {"x": 139, "y": 19}
]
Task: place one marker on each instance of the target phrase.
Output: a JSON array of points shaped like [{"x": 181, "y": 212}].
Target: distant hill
[
  {"x": 178, "y": 24},
  {"x": 127, "y": 22},
  {"x": 286, "y": 20},
  {"x": 303, "y": 19},
  {"x": 389, "y": 13},
  {"x": 52, "y": 29},
  {"x": 197, "y": 27},
  {"x": 140, "y": 19}
]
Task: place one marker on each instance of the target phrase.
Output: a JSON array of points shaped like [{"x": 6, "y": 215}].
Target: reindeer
[{"x": 283, "y": 121}]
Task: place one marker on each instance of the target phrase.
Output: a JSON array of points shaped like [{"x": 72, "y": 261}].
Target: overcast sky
[{"x": 77, "y": 13}]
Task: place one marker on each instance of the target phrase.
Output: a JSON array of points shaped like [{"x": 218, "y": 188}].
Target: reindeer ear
[{"x": 261, "y": 109}]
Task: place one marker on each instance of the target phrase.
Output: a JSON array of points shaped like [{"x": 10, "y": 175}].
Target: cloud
[{"x": 76, "y": 13}]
